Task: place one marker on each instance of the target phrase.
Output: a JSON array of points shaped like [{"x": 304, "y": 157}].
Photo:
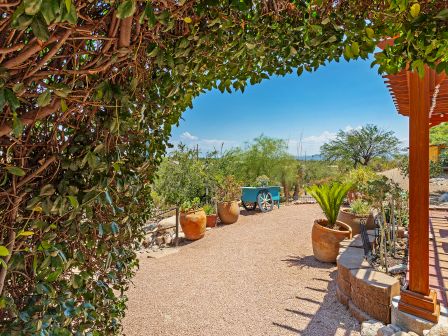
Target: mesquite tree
[
  {"x": 360, "y": 146},
  {"x": 89, "y": 91}
]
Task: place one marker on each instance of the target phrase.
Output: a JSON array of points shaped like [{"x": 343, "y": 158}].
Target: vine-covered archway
[{"x": 89, "y": 91}]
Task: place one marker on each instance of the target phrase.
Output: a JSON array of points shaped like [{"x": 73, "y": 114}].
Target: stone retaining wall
[{"x": 366, "y": 292}]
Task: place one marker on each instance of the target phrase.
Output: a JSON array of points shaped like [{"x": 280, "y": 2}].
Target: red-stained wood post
[{"x": 418, "y": 299}]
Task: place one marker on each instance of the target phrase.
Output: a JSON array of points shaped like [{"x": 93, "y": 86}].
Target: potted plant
[
  {"x": 193, "y": 220},
  {"x": 228, "y": 194},
  {"x": 328, "y": 233},
  {"x": 358, "y": 211},
  {"x": 212, "y": 217}
]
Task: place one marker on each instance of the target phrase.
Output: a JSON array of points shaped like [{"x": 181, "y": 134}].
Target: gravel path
[{"x": 254, "y": 277}]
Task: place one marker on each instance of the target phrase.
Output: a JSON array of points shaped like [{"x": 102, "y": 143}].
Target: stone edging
[{"x": 366, "y": 292}]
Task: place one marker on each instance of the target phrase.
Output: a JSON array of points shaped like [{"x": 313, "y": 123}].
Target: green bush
[
  {"x": 209, "y": 209},
  {"x": 435, "y": 169},
  {"x": 359, "y": 177},
  {"x": 181, "y": 177},
  {"x": 229, "y": 190},
  {"x": 190, "y": 205},
  {"x": 443, "y": 157},
  {"x": 262, "y": 181},
  {"x": 360, "y": 208}
]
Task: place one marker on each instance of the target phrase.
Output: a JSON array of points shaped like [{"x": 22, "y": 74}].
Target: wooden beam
[{"x": 418, "y": 299}]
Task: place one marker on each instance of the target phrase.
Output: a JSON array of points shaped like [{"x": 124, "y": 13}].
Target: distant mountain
[{"x": 315, "y": 157}]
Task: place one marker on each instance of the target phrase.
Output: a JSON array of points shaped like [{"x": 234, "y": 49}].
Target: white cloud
[
  {"x": 349, "y": 128},
  {"x": 319, "y": 139},
  {"x": 188, "y": 136},
  {"x": 311, "y": 144}
]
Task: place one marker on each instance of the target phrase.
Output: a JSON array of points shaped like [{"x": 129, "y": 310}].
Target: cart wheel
[
  {"x": 249, "y": 206},
  {"x": 265, "y": 202}
]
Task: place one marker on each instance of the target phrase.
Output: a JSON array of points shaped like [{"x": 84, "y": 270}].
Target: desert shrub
[
  {"x": 181, "y": 177},
  {"x": 443, "y": 157},
  {"x": 229, "y": 189},
  {"x": 359, "y": 177},
  {"x": 359, "y": 207},
  {"x": 262, "y": 181},
  {"x": 435, "y": 169}
]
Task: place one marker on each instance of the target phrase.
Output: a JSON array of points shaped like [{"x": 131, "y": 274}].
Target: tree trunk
[{"x": 295, "y": 195}]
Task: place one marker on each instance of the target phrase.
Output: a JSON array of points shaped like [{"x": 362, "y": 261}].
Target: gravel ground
[{"x": 254, "y": 277}]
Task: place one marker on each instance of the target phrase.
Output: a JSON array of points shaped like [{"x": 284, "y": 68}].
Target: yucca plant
[{"x": 330, "y": 197}]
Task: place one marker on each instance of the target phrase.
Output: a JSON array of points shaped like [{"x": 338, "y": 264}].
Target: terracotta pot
[
  {"x": 228, "y": 212},
  {"x": 354, "y": 221},
  {"x": 326, "y": 241},
  {"x": 211, "y": 220},
  {"x": 193, "y": 224}
]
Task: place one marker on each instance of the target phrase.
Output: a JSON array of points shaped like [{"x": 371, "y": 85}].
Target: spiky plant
[{"x": 330, "y": 197}]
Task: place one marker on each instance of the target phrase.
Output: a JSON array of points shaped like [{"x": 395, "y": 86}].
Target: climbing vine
[{"x": 89, "y": 91}]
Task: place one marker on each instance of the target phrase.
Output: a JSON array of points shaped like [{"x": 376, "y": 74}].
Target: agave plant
[{"x": 330, "y": 197}]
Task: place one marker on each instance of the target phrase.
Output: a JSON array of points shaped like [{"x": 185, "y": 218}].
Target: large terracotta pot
[
  {"x": 193, "y": 224},
  {"x": 326, "y": 241},
  {"x": 228, "y": 212},
  {"x": 211, "y": 220},
  {"x": 354, "y": 221}
]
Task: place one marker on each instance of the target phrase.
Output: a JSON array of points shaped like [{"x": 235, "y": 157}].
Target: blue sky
[{"x": 312, "y": 107}]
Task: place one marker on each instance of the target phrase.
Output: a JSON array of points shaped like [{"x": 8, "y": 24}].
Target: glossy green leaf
[
  {"x": 3, "y": 251},
  {"x": 11, "y": 99},
  {"x": 73, "y": 201},
  {"x": 25, "y": 233},
  {"x": 47, "y": 190},
  {"x": 44, "y": 99},
  {"x": 32, "y": 7},
  {"x": 126, "y": 9},
  {"x": 15, "y": 171},
  {"x": 40, "y": 29}
]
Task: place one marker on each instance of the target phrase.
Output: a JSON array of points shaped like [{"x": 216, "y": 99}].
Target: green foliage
[
  {"x": 435, "y": 169},
  {"x": 180, "y": 177},
  {"x": 376, "y": 190},
  {"x": 330, "y": 197},
  {"x": 443, "y": 158},
  {"x": 404, "y": 166},
  {"x": 360, "y": 208},
  {"x": 87, "y": 111},
  {"x": 438, "y": 135},
  {"x": 190, "y": 205},
  {"x": 267, "y": 156},
  {"x": 262, "y": 181},
  {"x": 359, "y": 177},
  {"x": 209, "y": 209},
  {"x": 360, "y": 146},
  {"x": 229, "y": 189},
  {"x": 319, "y": 172}
]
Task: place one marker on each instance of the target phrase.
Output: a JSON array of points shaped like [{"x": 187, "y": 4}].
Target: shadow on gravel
[
  {"x": 325, "y": 321},
  {"x": 249, "y": 213},
  {"x": 305, "y": 262}
]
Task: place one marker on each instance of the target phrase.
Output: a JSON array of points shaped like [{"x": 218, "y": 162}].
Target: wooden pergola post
[{"x": 418, "y": 299}]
